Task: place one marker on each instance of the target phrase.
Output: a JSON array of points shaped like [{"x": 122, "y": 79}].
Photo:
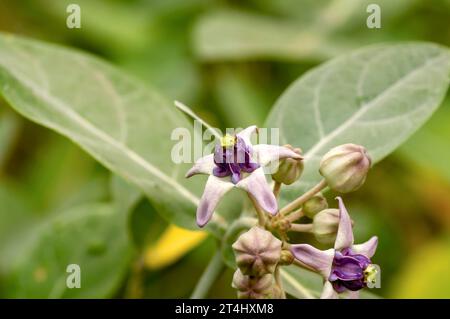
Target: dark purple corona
[
  {"x": 349, "y": 271},
  {"x": 232, "y": 157}
]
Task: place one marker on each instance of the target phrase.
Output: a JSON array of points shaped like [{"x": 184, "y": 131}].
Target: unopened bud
[
  {"x": 250, "y": 287},
  {"x": 287, "y": 258},
  {"x": 257, "y": 252},
  {"x": 345, "y": 167},
  {"x": 289, "y": 169},
  {"x": 314, "y": 205},
  {"x": 325, "y": 225}
]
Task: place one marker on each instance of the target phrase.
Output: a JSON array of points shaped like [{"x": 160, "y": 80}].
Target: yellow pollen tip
[
  {"x": 370, "y": 274},
  {"x": 227, "y": 140}
]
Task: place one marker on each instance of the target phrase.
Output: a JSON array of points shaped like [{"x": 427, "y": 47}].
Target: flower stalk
[{"x": 303, "y": 198}]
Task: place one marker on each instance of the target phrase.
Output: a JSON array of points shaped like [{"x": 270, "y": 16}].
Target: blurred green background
[{"x": 223, "y": 58}]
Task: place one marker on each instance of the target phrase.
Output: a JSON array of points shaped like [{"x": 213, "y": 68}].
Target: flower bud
[
  {"x": 314, "y": 205},
  {"x": 325, "y": 225},
  {"x": 250, "y": 287},
  {"x": 257, "y": 252},
  {"x": 287, "y": 258},
  {"x": 289, "y": 169},
  {"x": 345, "y": 167}
]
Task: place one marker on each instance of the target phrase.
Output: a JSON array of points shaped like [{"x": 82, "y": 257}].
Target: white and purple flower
[
  {"x": 346, "y": 268},
  {"x": 237, "y": 163}
]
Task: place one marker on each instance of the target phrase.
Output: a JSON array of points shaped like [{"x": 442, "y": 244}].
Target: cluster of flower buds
[
  {"x": 314, "y": 205},
  {"x": 345, "y": 167},
  {"x": 238, "y": 163},
  {"x": 257, "y": 253},
  {"x": 289, "y": 169}
]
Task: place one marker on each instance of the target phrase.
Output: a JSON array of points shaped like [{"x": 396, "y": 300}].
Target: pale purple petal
[
  {"x": 203, "y": 165},
  {"x": 247, "y": 133},
  {"x": 257, "y": 186},
  {"x": 265, "y": 153},
  {"x": 351, "y": 294},
  {"x": 344, "y": 237},
  {"x": 368, "y": 248},
  {"x": 319, "y": 260},
  {"x": 215, "y": 189},
  {"x": 328, "y": 291}
]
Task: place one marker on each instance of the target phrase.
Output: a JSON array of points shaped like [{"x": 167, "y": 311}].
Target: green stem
[
  {"x": 292, "y": 217},
  {"x": 299, "y": 201},
  {"x": 209, "y": 276},
  {"x": 279, "y": 282},
  {"x": 301, "y": 228},
  {"x": 259, "y": 212},
  {"x": 276, "y": 189}
]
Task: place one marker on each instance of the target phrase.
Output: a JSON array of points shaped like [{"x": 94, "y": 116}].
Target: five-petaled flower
[
  {"x": 237, "y": 163},
  {"x": 346, "y": 267}
]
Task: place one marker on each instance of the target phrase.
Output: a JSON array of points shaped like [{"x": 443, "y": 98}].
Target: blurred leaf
[
  {"x": 124, "y": 194},
  {"x": 49, "y": 175},
  {"x": 238, "y": 94},
  {"x": 426, "y": 274},
  {"x": 301, "y": 283},
  {"x": 9, "y": 128},
  {"x": 431, "y": 139},
  {"x": 109, "y": 24},
  {"x": 234, "y": 35},
  {"x": 310, "y": 30},
  {"x": 17, "y": 217},
  {"x": 92, "y": 236},
  {"x": 376, "y": 97},
  {"x": 123, "y": 124}
]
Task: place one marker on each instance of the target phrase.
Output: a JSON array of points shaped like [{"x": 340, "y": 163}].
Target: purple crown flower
[
  {"x": 346, "y": 267},
  {"x": 237, "y": 163}
]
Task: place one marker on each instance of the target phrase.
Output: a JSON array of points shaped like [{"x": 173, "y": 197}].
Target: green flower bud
[
  {"x": 250, "y": 287},
  {"x": 257, "y": 252},
  {"x": 287, "y": 258},
  {"x": 345, "y": 167},
  {"x": 314, "y": 205},
  {"x": 289, "y": 169},
  {"x": 325, "y": 225}
]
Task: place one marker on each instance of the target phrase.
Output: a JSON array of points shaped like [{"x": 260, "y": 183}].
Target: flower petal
[
  {"x": 266, "y": 153},
  {"x": 328, "y": 291},
  {"x": 351, "y": 294},
  {"x": 204, "y": 165},
  {"x": 247, "y": 133},
  {"x": 368, "y": 248},
  {"x": 215, "y": 188},
  {"x": 344, "y": 237},
  {"x": 257, "y": 186},
  {"x": 319, "y": 260}
]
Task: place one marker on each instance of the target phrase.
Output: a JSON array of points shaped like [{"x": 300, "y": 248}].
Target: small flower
[
  {"x": 345, "y": 167},
  {"x": 257, "y": 252},
  {"x": 237, "y": 163},
  {"x": 314, "y": 205},
  {"x": 346, "y": 267},
  {"x": 325, "y": 225},
  {"x": 289, "y": 169}
]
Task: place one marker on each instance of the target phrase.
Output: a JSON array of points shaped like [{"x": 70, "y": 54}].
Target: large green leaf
[
  {"x": 376, "y": 97},
  {"x": 119, "y": 121},
  {"x": 92, "y": 236}
]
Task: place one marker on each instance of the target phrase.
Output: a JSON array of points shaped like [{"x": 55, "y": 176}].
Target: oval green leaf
[
  {"x": 119, "y": 121},
  {"x": 377, "y": 97}
]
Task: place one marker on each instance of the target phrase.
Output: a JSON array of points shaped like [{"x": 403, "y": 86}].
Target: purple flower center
[
  {"x": 232, "y": 157},
  {"x": 348, "y": 271}
]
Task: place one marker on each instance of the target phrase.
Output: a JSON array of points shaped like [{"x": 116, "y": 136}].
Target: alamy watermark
[{"x": 73, "y": 20}]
